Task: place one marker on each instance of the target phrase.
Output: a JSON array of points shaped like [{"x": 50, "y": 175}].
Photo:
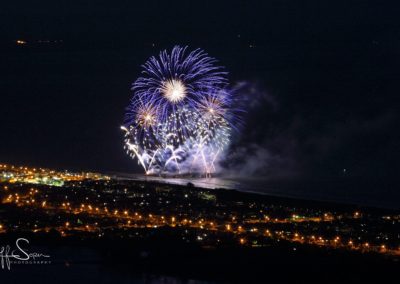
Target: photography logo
[{"x": 20, "y": 254}]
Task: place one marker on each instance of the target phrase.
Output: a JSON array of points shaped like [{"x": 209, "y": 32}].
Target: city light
[{"x": 89, "y": 211}]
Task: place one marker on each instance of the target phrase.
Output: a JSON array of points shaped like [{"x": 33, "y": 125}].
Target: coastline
[{"x": 302, "y": 190}]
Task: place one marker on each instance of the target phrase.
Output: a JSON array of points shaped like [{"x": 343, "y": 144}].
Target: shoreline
[{"x": 185, "y": 182}]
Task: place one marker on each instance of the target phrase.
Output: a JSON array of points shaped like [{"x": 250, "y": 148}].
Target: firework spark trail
[{"x": 179, "y": 118}]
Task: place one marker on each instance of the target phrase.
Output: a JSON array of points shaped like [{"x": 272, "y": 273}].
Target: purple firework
[
  {"x": 179, "y": 119},
  {"x": 178, "y": 78}
]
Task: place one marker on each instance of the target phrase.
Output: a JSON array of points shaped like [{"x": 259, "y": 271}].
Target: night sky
[{"x": 322, "y": 80}]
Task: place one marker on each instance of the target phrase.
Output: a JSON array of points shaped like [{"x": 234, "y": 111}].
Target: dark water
[
  {"x": 377, "y": 193},
  {"x": 82, "y": 265}
]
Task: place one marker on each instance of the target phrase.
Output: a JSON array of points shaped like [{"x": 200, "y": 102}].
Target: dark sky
[{"x": 325, "y": 79}]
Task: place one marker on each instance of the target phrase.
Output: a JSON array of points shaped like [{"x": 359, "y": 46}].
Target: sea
[{"x": 372, "y": 192}]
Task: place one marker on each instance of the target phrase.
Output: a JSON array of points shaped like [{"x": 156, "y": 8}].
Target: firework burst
[{"x": 179, "y": 117}]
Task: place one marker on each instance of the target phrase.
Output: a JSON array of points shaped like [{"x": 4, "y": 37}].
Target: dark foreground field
[{"x": 163, "y": 258}]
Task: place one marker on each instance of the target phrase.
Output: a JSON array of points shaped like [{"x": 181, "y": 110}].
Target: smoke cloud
[{"x": 275, "y": 140}]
